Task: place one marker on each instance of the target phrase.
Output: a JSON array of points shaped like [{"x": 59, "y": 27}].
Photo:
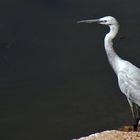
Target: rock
[{"x": 114, "y": 135}]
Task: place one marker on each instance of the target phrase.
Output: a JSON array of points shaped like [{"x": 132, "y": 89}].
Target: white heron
[{"x": 128, "y": 74}]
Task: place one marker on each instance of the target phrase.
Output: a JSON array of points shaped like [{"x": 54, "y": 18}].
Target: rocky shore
[{"x": 123, "y": 133}]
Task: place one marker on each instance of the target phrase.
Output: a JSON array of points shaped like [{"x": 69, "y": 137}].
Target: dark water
[{"x": 55, "y": 80}]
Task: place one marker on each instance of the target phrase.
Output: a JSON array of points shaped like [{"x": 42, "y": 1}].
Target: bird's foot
[{"x": 135, "y": 127}]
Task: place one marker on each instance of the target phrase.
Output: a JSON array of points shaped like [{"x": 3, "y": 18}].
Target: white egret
[{"x": 128, "y": 74}]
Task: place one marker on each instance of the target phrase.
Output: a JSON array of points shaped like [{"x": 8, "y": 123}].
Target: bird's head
[{"x": 107, "y": 20}]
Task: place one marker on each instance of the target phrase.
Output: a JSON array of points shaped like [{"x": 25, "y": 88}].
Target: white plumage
[{"x": 127, "y": 73}]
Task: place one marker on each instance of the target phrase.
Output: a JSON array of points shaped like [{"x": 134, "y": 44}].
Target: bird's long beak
[{"x": 89, "y": 21}]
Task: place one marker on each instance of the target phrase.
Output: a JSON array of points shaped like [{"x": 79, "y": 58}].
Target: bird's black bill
[{"x": 89, "y": 21}]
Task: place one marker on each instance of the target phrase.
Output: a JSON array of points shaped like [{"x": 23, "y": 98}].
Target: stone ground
[{"x": 123, "y": 133}]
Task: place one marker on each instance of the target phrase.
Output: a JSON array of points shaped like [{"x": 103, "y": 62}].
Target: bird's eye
[{"x": 103, "y": 21}]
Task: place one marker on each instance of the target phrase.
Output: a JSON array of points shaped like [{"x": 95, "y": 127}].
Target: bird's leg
[
  {"x": 137, "y": 108},
  {"x": 135, "y": 114}
]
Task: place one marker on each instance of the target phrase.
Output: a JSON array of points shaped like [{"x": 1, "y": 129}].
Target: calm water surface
[{"x": 55, "y": 80}]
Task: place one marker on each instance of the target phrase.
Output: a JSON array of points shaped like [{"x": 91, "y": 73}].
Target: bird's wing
[{"x": 129, "y": 83}]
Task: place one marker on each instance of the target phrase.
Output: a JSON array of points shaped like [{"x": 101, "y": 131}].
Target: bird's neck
[{"x": 113, "y": 58}]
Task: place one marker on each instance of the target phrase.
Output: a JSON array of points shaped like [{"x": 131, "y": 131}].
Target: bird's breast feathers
[{"x": 129, "y": 82}]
